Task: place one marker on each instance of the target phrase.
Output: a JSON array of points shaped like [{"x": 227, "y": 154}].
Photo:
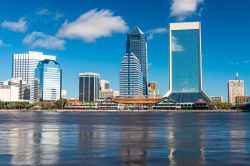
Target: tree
[
  {"x": 59, "y": 104},
  {"x": 1, "y": 105},
  {"x": 47, "y": 105},
  {"x": 219, "y": 105}
]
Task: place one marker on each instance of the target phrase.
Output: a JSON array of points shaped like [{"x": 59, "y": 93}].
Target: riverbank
[{"x": 56, "y": 110}]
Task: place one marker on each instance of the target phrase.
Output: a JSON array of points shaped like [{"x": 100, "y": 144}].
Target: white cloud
[
  {"x": 184, "y": 8},
  {"x": 176, "y": 47},
  {"x": 93, "y": 25},
  {"x": 46, "y": 12},
  {"x": 39, "y": 39},
  {"x": 153, "y": 32},
  {"x": 19, "y": 26}
]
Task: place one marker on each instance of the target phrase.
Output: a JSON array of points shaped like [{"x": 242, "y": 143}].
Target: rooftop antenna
[{"x": 237, "y": 76}]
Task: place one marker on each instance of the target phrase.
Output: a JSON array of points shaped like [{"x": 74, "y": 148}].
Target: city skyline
[{"x": 230, "y": 50}]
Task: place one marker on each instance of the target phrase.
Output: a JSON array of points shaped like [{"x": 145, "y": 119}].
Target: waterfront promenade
[{"x": 84, "y": 110}]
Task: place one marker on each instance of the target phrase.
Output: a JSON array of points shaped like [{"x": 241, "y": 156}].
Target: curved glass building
[
  {"x": 185, "y": 67},
  {"x": 24, "y": 66},
  {"x": 48, "y": 77}
]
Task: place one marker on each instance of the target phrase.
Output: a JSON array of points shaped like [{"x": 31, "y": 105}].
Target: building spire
[{"x": 237, "y": 76}]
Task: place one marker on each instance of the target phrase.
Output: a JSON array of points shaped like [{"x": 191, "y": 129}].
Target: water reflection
[{"x": 124, "y": 139}]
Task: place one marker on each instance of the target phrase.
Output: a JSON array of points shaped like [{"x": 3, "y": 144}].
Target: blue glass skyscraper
[
  {"x": 137, "y": 44},
  {"x": 131, "y": 83},
  {"x": 185, "y": 69},
  {"x": 48, "y": 77}
]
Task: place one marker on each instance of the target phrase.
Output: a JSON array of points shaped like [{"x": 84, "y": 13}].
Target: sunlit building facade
[
  {"x": 14, "y": 90},
  {"x": 131, "y": 77},
  {"x": 153, "y": 89},
  {"x": 24, "y": 66},
  {"x": 235, "y": 88},
  {"x": 185, "y": 69},
  {"x": 49, "y": 81},
  {"x": 105, "y": 89}
]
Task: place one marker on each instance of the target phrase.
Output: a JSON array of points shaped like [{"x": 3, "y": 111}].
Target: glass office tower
[
  {"x": 185, "y": 72},
  {"x": 131, "y": 83},
  {"x": 137, "y": 44},
  {"x": 89, "y": 86},
  {"x": 48, "y": 76},
  {"x": 24, "y": 66}
]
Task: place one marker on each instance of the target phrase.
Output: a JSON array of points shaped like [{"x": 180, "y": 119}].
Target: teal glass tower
[
  {"x": 185, "y": 63},
  {"x": 48, "y": 80},
  {"x": 137, "y": 44}
]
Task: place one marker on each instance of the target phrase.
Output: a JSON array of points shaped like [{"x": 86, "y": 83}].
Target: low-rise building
[
  {"x": 105, "y": 90},
  {"x": 217, "y": 98},
  {"x": 64, "y": 94},
  {"x": 153, "y": 90},
  {"x": 14, "y": 90},
  {"x": 241, "y": 100}
]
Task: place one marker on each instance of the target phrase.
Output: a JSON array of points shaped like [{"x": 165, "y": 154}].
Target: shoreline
[{"x": 127, "y": 111}]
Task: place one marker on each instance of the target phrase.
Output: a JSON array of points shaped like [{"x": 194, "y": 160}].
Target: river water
[{"x": 148, "y": 138}]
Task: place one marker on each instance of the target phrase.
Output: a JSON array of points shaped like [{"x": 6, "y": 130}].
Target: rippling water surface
[{"x": 124, "y": 139}]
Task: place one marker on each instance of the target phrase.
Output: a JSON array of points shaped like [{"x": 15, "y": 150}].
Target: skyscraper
[
  {"x": 235, "y": 88},
  {"x": 137, "y": 44},
  {"x": 24, "y": 65},
  {"x": 89, "y": 86},
  {"x": 48, "y": 75},
  {"x": 185, "y": 68},
  {"x": 131, "y": 83}
]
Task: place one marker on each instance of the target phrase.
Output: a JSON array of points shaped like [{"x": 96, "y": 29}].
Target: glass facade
[
  {"x": 24, "y": 66},
  {"x": 137, "y": 44},
  {"x": 89, "y": 86},
  {"x": 49, "y": 80},
  {"x": 185, "y": 61},
  {"x": 131, "y": 77}
]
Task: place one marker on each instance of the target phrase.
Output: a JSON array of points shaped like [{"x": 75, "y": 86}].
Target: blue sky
[{"x": 90, "y": 36}]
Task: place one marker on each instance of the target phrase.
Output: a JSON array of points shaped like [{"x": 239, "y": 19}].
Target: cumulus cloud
[
  {"x": 176, "y": 46},
  {"x": 93, "y": 25},
  {"x": 151, "y": 33},
  {"x": 184, "y": 8},
  {"x": 39, "y": 39},
  {"x": 19, "y": 26}
]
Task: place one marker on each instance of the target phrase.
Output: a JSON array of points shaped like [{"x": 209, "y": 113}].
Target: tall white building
[
  {"x": 235, "y": 88},
  {"x": 14, "y": 90},
  {"x": 24, "y": 66}
]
